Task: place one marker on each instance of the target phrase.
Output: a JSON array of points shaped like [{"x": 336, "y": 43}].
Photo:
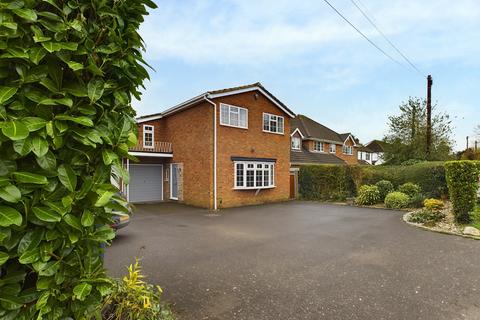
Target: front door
[
  {"x": 174, "y": 177},
  {"x": 293, "y": 193}
]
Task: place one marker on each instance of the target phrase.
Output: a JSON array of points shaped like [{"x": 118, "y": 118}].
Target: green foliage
[
  {"x": 367, "y": 195},
  {"x": 462, "y": 179},
  {"x": 427, "y": 216},
  {"x": 397, "y": 200},
  {"x": 410, "y": 189},
  {"x": 406, "y": 139},
  {"x": 134, "y": 299},
  {"x": 475, "y": 217},
  {"x": 68, "y": 71},
  {"x": 325, "y": 182},
  {"x": 433, "y": 204},
  {"x": 384, "y": 187}
]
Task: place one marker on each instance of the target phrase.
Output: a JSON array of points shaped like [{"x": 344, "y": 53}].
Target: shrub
[
  {"x": 385, "y": 187},
  {"x": 410, "y": 189},
  {"x": 416, "y": 201},
  {"x": 132, "y": 299},
  {"x": 367, "y": 195},
  {"x": 475, "y": 217},
  {"x": 462, "y": 178},
  {"x": 397, "y": 200},
  {"x": 68, "y": 71},
  {"x": 433, "y": 204},
  {"x": 427, "y": 216},
  {"x": 324, "y": 182}
]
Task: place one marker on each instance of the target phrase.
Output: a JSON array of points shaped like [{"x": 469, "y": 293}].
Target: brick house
[
  {"x": 220, "y": 149},
  {"x": 314, "y": 143}
]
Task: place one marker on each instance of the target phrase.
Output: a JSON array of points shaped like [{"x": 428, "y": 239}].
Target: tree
[
  {"x": 406, "y": 138},
  {"x": 68, "y": 72}
]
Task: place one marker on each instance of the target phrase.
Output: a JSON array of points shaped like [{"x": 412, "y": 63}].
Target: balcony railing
[{"x": 158, "y": 147}]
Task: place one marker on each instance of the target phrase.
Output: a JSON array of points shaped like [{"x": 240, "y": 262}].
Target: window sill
[
  {"x": 279, "y": 133},
  {"x": 237, "y": 127},
  {"x": 252, "y": 188}
]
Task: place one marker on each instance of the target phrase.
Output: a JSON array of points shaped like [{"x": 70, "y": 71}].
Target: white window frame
[
  {"x": 299, "y": 143},
  {"x": 334, "y": 148},
  {"x": 229, "y": 106},
  {"x": 271, "y": 175},
  {"x": 145, "y": 126},
  {"x": 348, "y": 150},
  {"x": 322, "y": 148},
  {"x": 276, "y": 117}
]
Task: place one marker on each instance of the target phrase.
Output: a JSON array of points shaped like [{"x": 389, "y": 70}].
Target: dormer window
[
  {"x": 348, "y": 150},
  {"x": 318, "y": 146},
  {"x": 296, "y": 143},
  {"x": 333, "y": 148},
  {"x": 148, "y": 136}
]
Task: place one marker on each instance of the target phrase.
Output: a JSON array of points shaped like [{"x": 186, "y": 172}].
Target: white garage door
[{"x": 145, "y": 183}]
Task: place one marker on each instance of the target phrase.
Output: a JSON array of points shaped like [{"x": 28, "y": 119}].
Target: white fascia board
[
  {"x": 149, "y": 118},
  {"x": 229, "y": 93},
  {"x": 183, "y": 105},
  {"x": 350, "y": 137},
  {"x": 300, "y": 132},
  {"x": 150, "y": 154}
]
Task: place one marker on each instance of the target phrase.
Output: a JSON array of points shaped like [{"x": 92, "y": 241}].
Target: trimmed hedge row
[
  {"x": 334, "y": 182},
  {"x": 462, "y": 178}
]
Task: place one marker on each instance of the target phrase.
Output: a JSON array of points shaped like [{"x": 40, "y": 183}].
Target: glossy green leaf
[
  {"x": 95, "y": 90},
  {"x": 48, "y": 162},
  {"x": 103, "y": 198},
  {"x": 80, "y": 120},
  {"x": 109, "y": 156},
  {"x": 10, "y": 193},
  {"x": 73, "y": 221},
  {"x": 75, "y": 66},
  {"x": 87, "y": 218},
  {"x": 29, "y": 256},
  {"x": 23, "y": 147},
  {"x": 34, "y": 123},
  {"x": 28, "y": 177},
  {"x": 39, "y": 146},
  {"x": 15, "y": 130},
  {"x": 82, "y": 290},
  {"x": 6, "y": 93},
  {"x": 46, "y": 214},
  {"x": 3, "y": 257},
  {"x": 67, "y": 177},
  {"x": 31, "y": 240},
  {"x": 9, "y": 216},
  {"x": 27, "y": 14}
]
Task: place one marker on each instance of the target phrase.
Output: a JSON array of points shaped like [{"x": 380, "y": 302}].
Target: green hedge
[
  {"x": 462, "y": 178},
  {"x": 334, "y": 182}
]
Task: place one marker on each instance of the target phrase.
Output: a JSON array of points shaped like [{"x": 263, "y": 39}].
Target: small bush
[
  {"x": 410, "y": 189},
  {"x": 416, "y": 201},
  {"x": 368, "y": 195},
  {"x": 132, "y": 299},
  {"x": 462, "y": 180},
  {"x": 475, "y": 217},
  {"x": 427, "y": 216},
  {"x": 385, "y": 187},
  {"x": 397, "y": 200},
  {"x": 433, "y": 204}
]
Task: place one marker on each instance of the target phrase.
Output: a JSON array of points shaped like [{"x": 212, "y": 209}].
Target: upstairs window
[
  {"x": 347, "y": 150},
  {"x": 148, "y": 136},
  {"x": 296, "y": 143},
  {"x": 333, "y": 148},
  {"x": 318, "y": 146},
  {"x": 272, "y": 123},
  {"x": 254, "y": 175},
  {"x": 233, "y": 116}
]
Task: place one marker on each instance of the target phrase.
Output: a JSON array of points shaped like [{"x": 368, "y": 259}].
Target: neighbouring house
[
  {"x": 365, "y": 155},
  {"x": 220, "y": 149},
  {"x": 314, "y": 143},
  {"x": 376, "y": 150}
]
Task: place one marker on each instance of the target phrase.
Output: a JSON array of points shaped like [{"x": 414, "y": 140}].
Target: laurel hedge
[
  {"x": 68, "y": 71},
  {"x": 336, "y": 182}
]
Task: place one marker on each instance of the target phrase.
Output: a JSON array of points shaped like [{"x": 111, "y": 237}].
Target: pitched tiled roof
[
  {"x": 376, "y": 146},
  {"x": 364, "y": 149},
  {"x": 313, "y": 129},
  {"x": 306, "y": 157}
]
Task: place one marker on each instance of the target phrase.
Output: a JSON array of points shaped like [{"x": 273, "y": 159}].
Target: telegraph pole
[{"x": 429, "y": 115}]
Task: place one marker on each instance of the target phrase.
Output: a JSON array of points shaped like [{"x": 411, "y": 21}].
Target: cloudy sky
[{"x": 312, "y": 60}]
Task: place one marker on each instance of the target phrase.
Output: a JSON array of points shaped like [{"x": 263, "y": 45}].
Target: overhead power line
[
  {"x": 363, "y": 35},
  {"x": 385, "y": 37}
]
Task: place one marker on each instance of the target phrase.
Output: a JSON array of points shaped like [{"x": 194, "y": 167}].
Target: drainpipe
[{"x": 214, "y": 151}]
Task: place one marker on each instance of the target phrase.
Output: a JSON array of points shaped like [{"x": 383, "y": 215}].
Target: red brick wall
[
  {"x": 350, "y": 159},
  {"x": 255, "y": 143}
]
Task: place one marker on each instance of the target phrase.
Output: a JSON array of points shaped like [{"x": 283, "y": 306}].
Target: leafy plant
[
  {"x": 397, "y": 200},
  {"x": 134, "y": 299},
  {"x": 385, "y": 187},
  {"x": 462, "y": 179},
  {"x": 324, "y": 182},
  {"x": 427, "y": 216},
  {"x": 68, "y": 71},
  {"x": 433, "y": 204},
  {"x": 410, "y": 189},
  {"x": 367, "y": 195}
]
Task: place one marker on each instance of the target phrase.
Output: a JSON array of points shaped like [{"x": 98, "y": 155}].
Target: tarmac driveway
[{"x": 300, "y": 260}]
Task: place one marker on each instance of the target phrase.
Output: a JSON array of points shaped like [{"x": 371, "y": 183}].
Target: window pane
[
  {"x": 266, "y": 175},
  {"x": 258, "y": 180},
  {"x": 239, "y": 175},
  {"x": 280, "y": 124},
  {"x": 273, "y": 124},
  {"x": 272, "y": 174},
  {"x": 243, "y": 118},
  {"x": 266, "y": 122},
  {"x": 250, "y": 178},
  {"x": 224, "y": 114},
  {"x": 233, "y": 116}
]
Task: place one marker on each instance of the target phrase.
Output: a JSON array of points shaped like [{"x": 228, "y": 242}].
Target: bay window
[{"x": 254, "y": 175}]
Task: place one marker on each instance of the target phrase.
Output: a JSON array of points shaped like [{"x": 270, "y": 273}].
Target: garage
[{"x": 145, "y": 183}]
